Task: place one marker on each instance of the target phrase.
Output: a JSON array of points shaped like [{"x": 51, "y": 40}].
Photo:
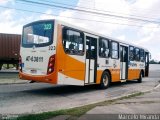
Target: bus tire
[
  {"x": 140, "y": 78},
  {"x": 105, "y": 80},
  {"x": 32, "y": 81}
]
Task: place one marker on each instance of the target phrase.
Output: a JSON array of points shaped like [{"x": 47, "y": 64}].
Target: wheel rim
[{"x": 105, "y": 80}]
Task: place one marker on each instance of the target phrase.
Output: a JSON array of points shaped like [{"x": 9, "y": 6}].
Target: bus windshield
[{"x": 38, "y": 34}]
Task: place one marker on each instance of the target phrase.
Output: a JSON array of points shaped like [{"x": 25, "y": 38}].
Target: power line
[
  {"x": 73, "y": 18},
  {"x": 85, "y": 13},
  {"x": 92, "y": 15},
  {"x": 92, "y": 12},
  {"x": 101, "y": 3},
  {"x": 94, "y": 9}
]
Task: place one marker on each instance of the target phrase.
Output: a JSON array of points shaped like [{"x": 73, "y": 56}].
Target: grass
[
  {"x": 73, "y": 112},
  {"x": 131, "y": 96}
]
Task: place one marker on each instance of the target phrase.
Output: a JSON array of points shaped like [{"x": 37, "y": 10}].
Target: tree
[{"x": 153, "y": 61}]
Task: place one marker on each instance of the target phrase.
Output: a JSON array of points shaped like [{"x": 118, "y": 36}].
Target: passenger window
[
  {"x": 73, "y": 42},
  {"x": 131, "y": 53},
  {"x": 142, "y": 55},
  {"x": 104, "y": 48},
  {"x": 137, "y": 54},
  {"x": 115, "y": 50}
]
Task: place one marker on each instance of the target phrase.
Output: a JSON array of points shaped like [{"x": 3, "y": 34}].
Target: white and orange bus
[{"x": 56, "y": 52}]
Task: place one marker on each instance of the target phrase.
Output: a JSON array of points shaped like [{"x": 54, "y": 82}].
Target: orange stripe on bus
[
  {"x": 99, "y": 74},
  {"x": 66, "y": 64},
  {"x": 51, "y": 78},
  {"x": 133, "y": 74},
  {"x": 115, "y": 74}
]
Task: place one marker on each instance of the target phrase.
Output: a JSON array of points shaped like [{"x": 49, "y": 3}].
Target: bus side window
[
  {"x": 103, "y": 48},
  {"x": 141, "y": 55},
  {"x": 73, "y": 42},
  {"x": 131, "y": 53},
  {"x": 115, "y": 50},
  {"x": 137, "y": 54}
]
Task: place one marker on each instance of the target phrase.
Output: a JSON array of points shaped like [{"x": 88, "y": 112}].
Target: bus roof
[
  {"x": 98, "y": 34},
  {"x": 91, "y": 32}
]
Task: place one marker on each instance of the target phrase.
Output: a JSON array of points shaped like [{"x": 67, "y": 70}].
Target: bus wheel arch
[{"x": 105, "y": 79}]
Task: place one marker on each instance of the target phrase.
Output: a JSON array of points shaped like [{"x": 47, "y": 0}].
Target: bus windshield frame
[{"x": 38, "y": 34}]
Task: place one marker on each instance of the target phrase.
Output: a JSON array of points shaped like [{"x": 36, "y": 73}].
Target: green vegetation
[
  {"x": 132, "y": 95},
  {"x": 73, "y": 112},
  {"x": 154, "y": 62}
]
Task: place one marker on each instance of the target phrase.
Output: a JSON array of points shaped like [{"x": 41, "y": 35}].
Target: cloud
[
  {"x": 147, "y": 36},
  {"x": 148, "y": 29},
  {"x": 47, "y": 15},
  {"x": 122, "y": 37},
  {"x": 146, "y": 8},
  {"x": 96, "y": 22},
  {"x": 4, "y": 2},
  {"x": 145, "y": 4},
  {"x": 157, "y": 56},
  {"x": 150, "y": 38},
  {"x": 6, "y": 15},
  {"x": 7, "y": 28},
  {"x": 9, "y": 24}
]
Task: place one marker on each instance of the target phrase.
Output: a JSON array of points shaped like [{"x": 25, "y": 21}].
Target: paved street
[
  {"x": 10, "y": 76},
  {"x": 40, "y": 97},
  {"x": 144, "y": 104},
  {"x": 139, "y": 108}
]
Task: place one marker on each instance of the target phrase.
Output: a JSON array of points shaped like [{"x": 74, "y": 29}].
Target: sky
[{"x": 16, "y": 13}]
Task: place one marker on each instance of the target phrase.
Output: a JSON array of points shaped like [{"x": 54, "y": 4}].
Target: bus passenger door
[
  {"x": 91, "y": 60},
  {"x": 123, "y": 62}
]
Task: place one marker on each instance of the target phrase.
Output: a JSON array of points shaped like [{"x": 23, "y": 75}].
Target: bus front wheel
[
  {"x": 105, "y": 80},
  {"x": 140, "y": 78}
]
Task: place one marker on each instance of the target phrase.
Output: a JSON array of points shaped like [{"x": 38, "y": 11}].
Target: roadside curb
[
  {"x": 89, "y": 106},
  {"x": 113, "y": 99},
  {"x": 119, "y": 97}
]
